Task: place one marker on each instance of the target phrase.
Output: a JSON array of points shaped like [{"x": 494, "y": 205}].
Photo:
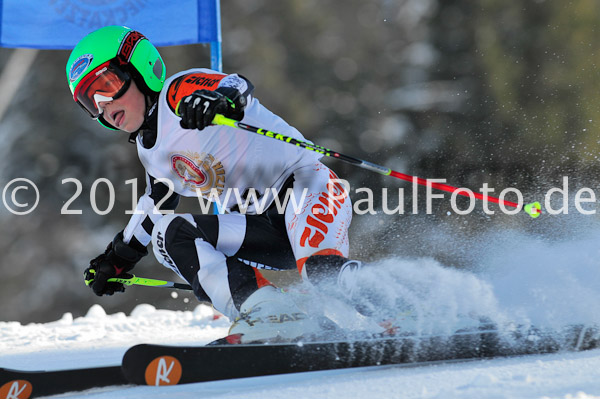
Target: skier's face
[{"x": 126, "y": 112}]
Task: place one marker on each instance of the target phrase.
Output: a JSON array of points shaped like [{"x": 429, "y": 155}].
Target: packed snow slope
[
  {"x": 521, "y": 280},
  {"x": 100, "y": 339}
]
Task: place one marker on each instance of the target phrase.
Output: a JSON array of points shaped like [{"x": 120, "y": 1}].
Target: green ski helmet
[{"x": 103, "y": 63}]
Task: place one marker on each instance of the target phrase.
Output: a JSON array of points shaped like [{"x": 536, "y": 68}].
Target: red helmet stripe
[{"x": 128, "y": 45}]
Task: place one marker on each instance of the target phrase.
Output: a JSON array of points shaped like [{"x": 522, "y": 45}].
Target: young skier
[{"x": 118, "y": 77}]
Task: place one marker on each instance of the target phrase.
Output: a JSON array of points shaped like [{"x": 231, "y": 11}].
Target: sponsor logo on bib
[{"x": 199, "y": 171}]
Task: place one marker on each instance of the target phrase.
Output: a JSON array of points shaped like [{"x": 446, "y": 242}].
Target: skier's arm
[
  {"x": 117, "y": 259},
  {"x": 129, "y": 246},
  {"x": 138, "y": 232},
  {"x": 198, "y": 109}
]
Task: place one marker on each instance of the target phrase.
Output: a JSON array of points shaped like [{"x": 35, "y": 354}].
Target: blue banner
[{"x": 60, "y": 24}]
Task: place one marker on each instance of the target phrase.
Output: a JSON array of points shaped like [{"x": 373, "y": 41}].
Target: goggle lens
[{"x": 103, "y": 84}]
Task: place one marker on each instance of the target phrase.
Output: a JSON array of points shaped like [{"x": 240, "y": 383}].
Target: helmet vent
[{"x": 158, "y": 68}]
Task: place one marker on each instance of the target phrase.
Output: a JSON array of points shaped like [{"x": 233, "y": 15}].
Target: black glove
[
  {"x": 198, "y": 110},
  {"x": 118, "y": 259}
]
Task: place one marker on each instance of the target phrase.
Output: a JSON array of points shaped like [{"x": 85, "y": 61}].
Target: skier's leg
[
  {"x": 205, "y": 250},
  {"x": 195, "y": 247},
  {"x": 270, "y": 314},
  {"x": 318, "y": 228},
  {"x": 318, "y": 232}
]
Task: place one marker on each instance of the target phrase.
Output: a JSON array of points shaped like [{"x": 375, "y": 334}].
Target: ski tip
[{"x": 534, "y": 209}]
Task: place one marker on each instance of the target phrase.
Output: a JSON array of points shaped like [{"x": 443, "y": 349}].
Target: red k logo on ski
[
  {"x": 164, "y": 370},
  {"x": 199, "y": 171},
  {"x": 17, "y": 389}
]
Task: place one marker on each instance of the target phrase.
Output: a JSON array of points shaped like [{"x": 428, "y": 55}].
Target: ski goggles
[{"x": 105, "y": 83}]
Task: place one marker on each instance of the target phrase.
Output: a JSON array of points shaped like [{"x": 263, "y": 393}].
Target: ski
[
  {"x": 169, "y": 365},
  {"x": 24, "y": 384},
  {"x": 147, "y": 364}
]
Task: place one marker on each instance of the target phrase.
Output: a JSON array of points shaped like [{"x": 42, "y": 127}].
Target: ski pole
[
  {"x": 149, "y": 282},
  {"x": 533, "y": 209}
]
